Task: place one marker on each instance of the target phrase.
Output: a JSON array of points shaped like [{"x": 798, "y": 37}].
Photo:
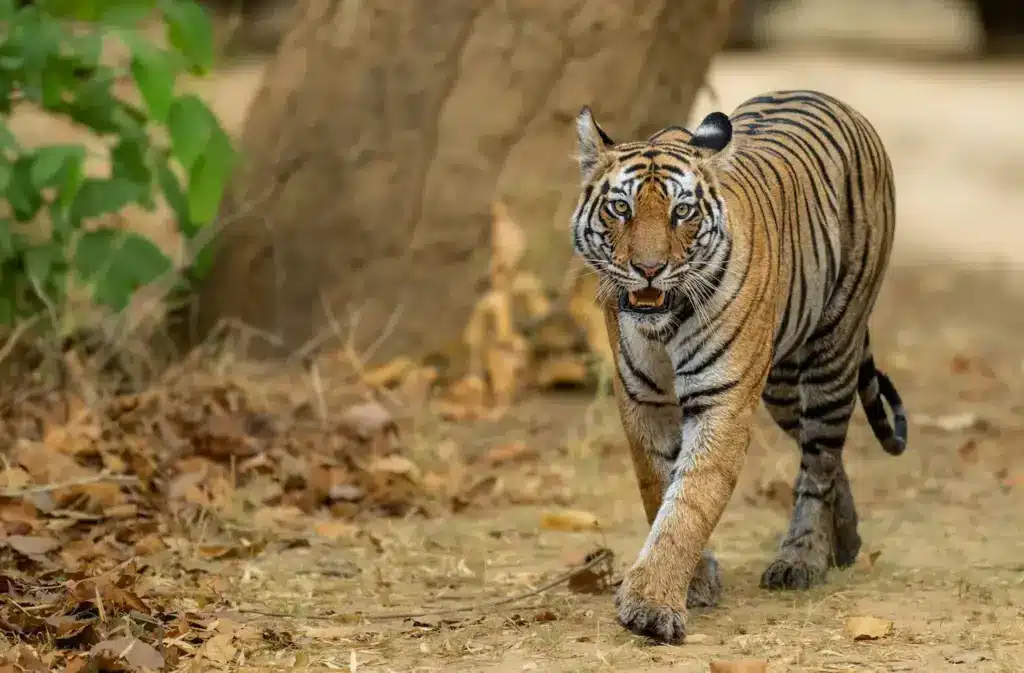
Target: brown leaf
[
  {"x": 508, "y": 452},
  {"x": 367, "y": 420},
  {"x": 594, "y": 580},
  {"x": 394, "y": 464},
  {"x": 868, "y": 628},
  {"x": 508, "y": 245},
  {"x": 739, "y": 666},
  {"x": 230, "y": 551},
  {"x": 562, "y": 370},
  {"x": 506, "y": 362},
  {"x": 32, "y": 545},
  {"x": 224, "y": 436},
  {"x": 76, "y": 664},
  {"x": 569, "y": 521},
  {"x": 777, "y": 492},
  {"x": 24, "y": 659},
  {"x": 968, "y": 451},
  {"x": 113, "y": 597},
  {"x": 389, "y": 373},
  {"x": 219, "y": 649},
  {"x": 335, "y": 529},
  {"x": 149, "y": 544},
  {"x": 69, "y": 628},
  {"x": 137, "y": 655}
]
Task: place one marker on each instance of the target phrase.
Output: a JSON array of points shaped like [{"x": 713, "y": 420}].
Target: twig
[
  {"x": 599, "y": 557},
  {"x": 84, "y": 481}
]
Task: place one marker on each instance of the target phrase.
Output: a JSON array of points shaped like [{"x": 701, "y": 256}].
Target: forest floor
[{"x": 224, "y": 515}]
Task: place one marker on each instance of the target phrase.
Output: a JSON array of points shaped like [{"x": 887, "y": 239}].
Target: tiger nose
[{"x": 649, "y": 270}]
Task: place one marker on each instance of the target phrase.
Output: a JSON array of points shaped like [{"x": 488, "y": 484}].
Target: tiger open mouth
[{"x": 647, "y": 300}]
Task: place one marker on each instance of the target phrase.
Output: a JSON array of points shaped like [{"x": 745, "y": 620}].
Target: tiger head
[{"x": 650, "y": 219}]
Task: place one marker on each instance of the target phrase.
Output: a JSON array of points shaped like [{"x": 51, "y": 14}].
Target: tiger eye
[
  {"x": 620, "y": 207},
  {"x": 682, "y": 211}
]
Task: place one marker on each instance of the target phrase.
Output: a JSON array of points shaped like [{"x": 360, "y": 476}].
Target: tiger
[{"x": 735, "y": 263}]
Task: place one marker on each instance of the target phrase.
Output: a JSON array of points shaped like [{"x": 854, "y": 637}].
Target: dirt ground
[{"x": 943, "y": 557}]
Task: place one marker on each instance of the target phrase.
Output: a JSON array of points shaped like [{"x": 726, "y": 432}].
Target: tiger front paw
[{"x": 646, "y": 616}]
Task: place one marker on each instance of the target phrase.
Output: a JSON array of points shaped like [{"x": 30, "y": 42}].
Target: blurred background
[{"x": 397, "y": 237}]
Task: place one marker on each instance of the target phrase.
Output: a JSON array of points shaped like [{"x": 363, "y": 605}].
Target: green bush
[{"x": 50, "y": 57}]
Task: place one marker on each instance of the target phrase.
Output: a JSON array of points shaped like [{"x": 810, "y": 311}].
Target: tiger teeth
[{"x": 647, "y": 298}]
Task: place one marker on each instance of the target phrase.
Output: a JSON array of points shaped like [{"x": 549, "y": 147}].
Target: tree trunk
[{"x": 384, "y": 130}]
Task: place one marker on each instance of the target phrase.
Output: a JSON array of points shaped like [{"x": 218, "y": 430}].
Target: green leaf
[
  {"x": 74, "y": 174},
  {"x": 24, "y": 198},
  {"x": 176, "y": 198},
  {"x": 38, "y": 261},
  {"x": 97, "y": 197},
  {"x": 5, "y": 174},
  {"x": 116, "y": 263},
  {"x": 50, "y": 162},
  {"x": 190, "y": 32},
  {"x": 208, "y": 178},
  {"x": 190, "y": 123},
  {"x": 129, "y": 161},
  {"x": 7, "y": 139},
  {"x": 125, "y": 13},
  {"x": 8, "y": 243},
  {"x": 154, "y": 74}
]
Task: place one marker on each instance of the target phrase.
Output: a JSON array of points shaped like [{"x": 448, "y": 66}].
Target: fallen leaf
[
  {"x": 335, "y": 529},
  {"x": 139, "y": 656},
  {"x": 219, "y": 649},
  {"x": 777, "y": 492},
  {"x": 229, "y": 551},
  {"x": 569, "y": 521},
  {"x": 596, "y": 579},
  {"x": 968, "y": 451},
  {"x": 395, "y": 464},
  {"x": 508, "y": 452},
  {"x": 113, "y": 597},
  {"x": 868, "y": 628},
  {"x": 739, "y": 666},
  {"x": 367, "y": 420},
  {"x": 562, "y": 370},
  {"x": 508, "y": 245},
  {"x": 76, "y": 664},
  {"x": 389, "y": 373},
  {"x": 149, "y": 544},
  {"x": 967, "y": 658},
  {"x": 32, "y": 545},
  {"x": 23, "y": 659},
  {"x": 952, "y": 422},
  {"x": 867, "y": 561}
]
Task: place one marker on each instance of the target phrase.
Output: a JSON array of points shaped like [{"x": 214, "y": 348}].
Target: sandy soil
[
  {"x": 943, "y": 557},
  {"x": 943, "y": 554}
]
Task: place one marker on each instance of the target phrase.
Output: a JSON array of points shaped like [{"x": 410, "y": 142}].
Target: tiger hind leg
[{"x": 813, "y": 403}]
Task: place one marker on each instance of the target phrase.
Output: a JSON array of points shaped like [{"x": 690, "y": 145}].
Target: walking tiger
[{"x": 738, "y": 263}]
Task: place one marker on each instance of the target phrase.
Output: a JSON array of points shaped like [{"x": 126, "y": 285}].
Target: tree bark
[{"x": 384, "y": 130}]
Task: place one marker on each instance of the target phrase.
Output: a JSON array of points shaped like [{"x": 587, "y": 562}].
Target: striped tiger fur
[{"x": 738, "y": 263}]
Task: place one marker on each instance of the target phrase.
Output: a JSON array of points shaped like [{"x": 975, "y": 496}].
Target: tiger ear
[
  {"x": 714, "y": 133},
  {"x": 593, "y": 141}
]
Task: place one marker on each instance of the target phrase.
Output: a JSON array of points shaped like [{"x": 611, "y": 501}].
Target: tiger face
[{"x": 650, "y": 219}]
